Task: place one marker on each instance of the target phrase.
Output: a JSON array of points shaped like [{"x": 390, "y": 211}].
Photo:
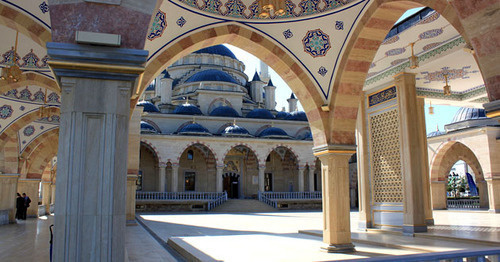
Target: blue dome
[
  {"x": 148, "y": 128},
  {"x": 282, "y": 115},
  {"x": 297, "y": 116},
  {"x": 224, "y": 111},
  {"x": 273, "y": 132},
  {"x": 235, "y": 130},
  {"x": 466, "y": 113},
  {"x": 148, "y": 106},
  {"x": 211, "y": 75},
  {"x": 216, "y": 50},
  {"x": 194, "y": 129},
  {"x": 260, "y": 113},
  {"x": 435, "y": 133},
  {"x": 187, "y": 109},
  {"x": 151, "y": 87},
  {"x": 305, "y": 136}
]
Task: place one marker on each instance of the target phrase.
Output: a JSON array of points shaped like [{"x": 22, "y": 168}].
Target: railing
[
  {"x": 140, "y": 195},
  {"x": 271, "y": 198},
  {"x": 263, "y": 198},
  {"x": 468, "y": 255},
  {"x": 217, "y": 202},
  {"x": 214, "y": 199},
  {"x": 463, "y": 203}
]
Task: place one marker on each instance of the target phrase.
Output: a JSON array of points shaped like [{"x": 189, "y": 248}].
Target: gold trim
[
  {"x": 382, "y": 109},
  {"x": 388, "y": 205},
  {"x": 334, "y": 152},
  {"x": 96, "y": 67},
  {"x": 384, "y": 225},
  {"x": 378, "y": 91},
  {"x": 493, "y": 114}
]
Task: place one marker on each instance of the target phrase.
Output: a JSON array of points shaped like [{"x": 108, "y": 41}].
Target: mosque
[{"x": 109, "y": 104}]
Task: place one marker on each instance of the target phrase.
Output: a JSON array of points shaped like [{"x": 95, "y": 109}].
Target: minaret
[
  {"x": 264, "y": 72},
  {"x": 165, "y": 90},
  {"x": 270, "y": 100},
  {"x": 256, "y": 88},
  {"x": 292, "y": 103}
]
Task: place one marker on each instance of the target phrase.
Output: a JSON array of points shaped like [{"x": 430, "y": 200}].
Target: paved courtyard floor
[{"x": 260, "y": 237}]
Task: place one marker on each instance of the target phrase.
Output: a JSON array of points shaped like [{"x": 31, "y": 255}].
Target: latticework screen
[{"x": 386, "y": 157}]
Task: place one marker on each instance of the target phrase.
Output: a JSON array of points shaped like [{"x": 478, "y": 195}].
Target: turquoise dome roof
[
  {"x": 194, "y": 129},
  {"x": 435, "y": 133},
  {"x": 148, "y": 128},
  {"x": 273, "y": 132},
  {"x": 226, "y": 111},
  {"x": 187, "y": 109},
  {"x": 211, "y": 75},
  {"x": 297, "y": 116},
  {"x": 148, "y": 107},
  {"x": 216, "y": 50},
  {"x": 235, "y": 130},
  {"x": 261, "y": 113},
  {"x": 466, "y": 113}
]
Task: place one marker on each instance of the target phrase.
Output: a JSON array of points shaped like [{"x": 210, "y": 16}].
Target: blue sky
[{"x": 442, "y": 114}]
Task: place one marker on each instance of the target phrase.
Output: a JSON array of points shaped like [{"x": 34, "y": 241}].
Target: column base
[
  {"x": 410, "y": 230},
  {"x": 340, "y": 248},
  {"x": 131, "y": 223},
  {"x": 494, "y": 210},
  {"x": 429, "y": 221}
]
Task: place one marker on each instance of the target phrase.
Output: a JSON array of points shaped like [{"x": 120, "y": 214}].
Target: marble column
[
  {"x": 218, "y": 178},
  {"x": 426, "y": 196},
  {"x": 336, "y": 209},
  {"x": 46, "y": 192},
  {"x": 8, "y": 190},
  {"x": 365, "y": 218},
  {"x": 412, "y": 161},
  {"x": 439, "y": 195},
  {"x": 131, "y": 189},
  {"x": 482, "y": 187},
  {"x": 311, "y": 179},
  {"x": 32, "y": 189},
  {"x": 262, "y": 169},
  {"x": 162, "y": 177},
  {"x": 302, "y": 169},
  {"x": 96, "y": 84},
  {"x": 174, "y": 187},
  {"x": 494, "y": 195},
  {"x": 52, "y": 193}
]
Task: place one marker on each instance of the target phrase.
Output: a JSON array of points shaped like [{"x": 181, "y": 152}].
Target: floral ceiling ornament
[
  {"x": 12, "y": 73},
  {"x": 158, "y": 26},
  {"x": 316, "y": 43}
]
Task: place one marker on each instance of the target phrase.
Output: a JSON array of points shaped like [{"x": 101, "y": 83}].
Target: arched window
[{"x": 190, "y": 155}]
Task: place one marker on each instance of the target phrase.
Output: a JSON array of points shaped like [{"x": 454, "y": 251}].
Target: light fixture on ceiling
[
  {"x": 268, "y": 7},
  {"x": 431, "y": 109},
  {"x": 446, "y": 88},
  {"x": 12, "y": 73},
  {"x": 413, "y": 59}
]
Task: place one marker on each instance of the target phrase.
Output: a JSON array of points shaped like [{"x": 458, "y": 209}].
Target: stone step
[{"x": 243, "y": 205}]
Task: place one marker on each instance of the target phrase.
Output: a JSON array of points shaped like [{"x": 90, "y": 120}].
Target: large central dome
[
  {"x": 216, "y": 50},
  {"x": 211, "y": 75}
]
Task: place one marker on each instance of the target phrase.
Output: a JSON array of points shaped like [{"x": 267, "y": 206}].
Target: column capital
[
  {"x": 162, "y": 165},
  {"x": 262, "y": 166},
  {"x": 175, "y": 165},
  {"x": 132, "y": 177},
  {"x": 492, "y": 109},
  {"x": 333, "y": 149},
  {"x": 30, "y": 180},
  {"x": 9, "y": 175}
]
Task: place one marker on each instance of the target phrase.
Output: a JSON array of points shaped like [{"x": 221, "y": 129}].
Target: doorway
[{"x": 231, "y": 184}]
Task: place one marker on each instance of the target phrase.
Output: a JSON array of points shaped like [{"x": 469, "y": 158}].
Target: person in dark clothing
[
  {"x": 27, "y": 202},
  {"x": 19, "y": 206}
]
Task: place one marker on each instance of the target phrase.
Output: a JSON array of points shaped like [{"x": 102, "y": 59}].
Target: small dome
[
  {"x": 260, "y": 113},
  {"x": 273, "y": 132},
  {"x": 282, "y": 115},
  {"x": 305, "y": 136},
  {"x": 187, "y": 109},
  {"x": 297, "y": 116},
  {"x": 466, "y": 113},
  {"x": 216, "y": 50},
  {"x": 148, "y": 128},
  {"x": 148, "y": 107},
  {"x": 235, "y": 130},
  {"x": 151, "y": 87},
  {"x": 435, "y": 133},
  {"x": 211, "y": 75},
  {"x": 194, "y": 129},
  {"x": 226, "y": 111}
]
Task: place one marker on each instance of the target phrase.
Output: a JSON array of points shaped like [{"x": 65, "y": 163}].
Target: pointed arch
[
  {"x": 447, "y": 155},
  {"x": 257, "y": 44},
  {"x": 41, "y": 156},
  {"x": 31, "y": 79},
  {"x": 19, "y": 21},
  {"x": 46, "y": 137}
]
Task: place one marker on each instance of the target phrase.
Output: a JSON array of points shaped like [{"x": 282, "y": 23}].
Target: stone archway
[
  {"x": 196, "y": 170},
  {"x": 148, "y": 169},
  {"x": 240, "y": 172},
  {"x": 446, "y": 156}
]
